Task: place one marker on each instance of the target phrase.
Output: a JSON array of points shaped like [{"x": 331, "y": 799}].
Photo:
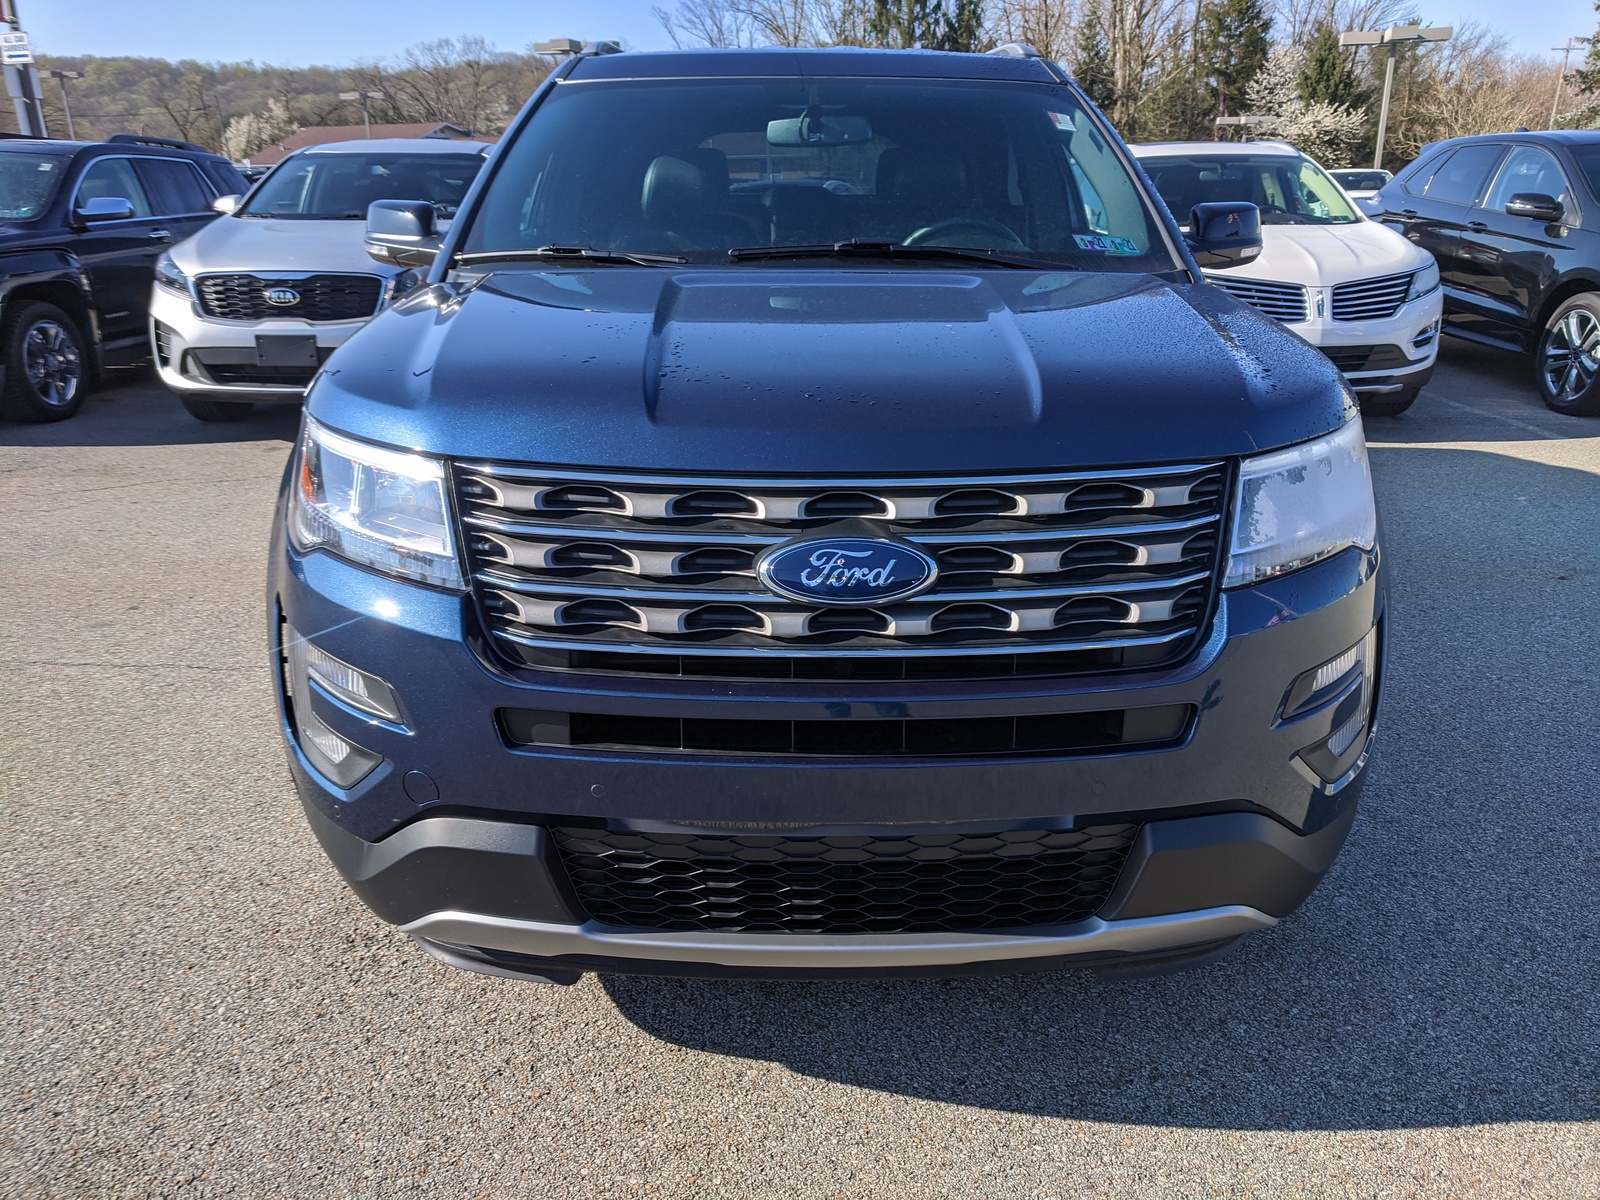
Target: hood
[
  {"x": 1325, "y": 255},
  {"x": 265, "y": 244},
  {"x": 831, "y": 372}
]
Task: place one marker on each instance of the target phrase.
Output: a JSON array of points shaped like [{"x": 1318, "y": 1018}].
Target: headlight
[
  {"x": 169, "y": 277},
  {"x": 1424, "y": 281},
  {"x": 1301, "y": 505},
  {"x": 402, "y": 285},
  {"x": 384, "y": 509}
]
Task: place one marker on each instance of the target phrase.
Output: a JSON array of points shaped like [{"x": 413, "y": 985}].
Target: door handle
[
  {"x": 1408, "y": 212},
  {"x": 162, "y": 235},
  {"x": 1476, "y": 226}
]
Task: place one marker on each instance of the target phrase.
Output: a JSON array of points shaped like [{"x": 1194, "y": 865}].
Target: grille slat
[
  {"x": 918, "y": 883},
  {"x": 1028, "y": 564},
  {"x": 1284, "y": 302},
  {"x": 322, "y": 297},
  {"x": 1370, "y": 299}
]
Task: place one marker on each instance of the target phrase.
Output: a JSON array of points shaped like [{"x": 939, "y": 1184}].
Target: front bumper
[
  {"x": 447, "y": 837},
  {"x": 200, "y": 355},
  {"x": 1402, "y": 349}
]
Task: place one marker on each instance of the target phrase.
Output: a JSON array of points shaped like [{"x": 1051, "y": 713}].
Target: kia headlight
[
  {"x": 1301, "y": 505},
  {"x": 384, "y": 509},
  {"x": 169, "y": 277},
  {"x": 1424, "y": 281}
]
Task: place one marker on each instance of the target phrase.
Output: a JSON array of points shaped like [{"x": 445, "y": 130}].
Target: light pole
[
  {"x": 66, "y": 104},
  {"x": 1390, "y": 38},
  {"x": 1566, "y": 59},
  {"x": 366, "y": 112}
]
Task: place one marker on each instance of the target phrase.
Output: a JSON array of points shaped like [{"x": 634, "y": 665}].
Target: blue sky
[{"x": 336, "y": 32}]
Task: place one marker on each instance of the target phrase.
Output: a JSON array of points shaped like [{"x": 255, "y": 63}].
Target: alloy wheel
[
  {"x": 1572, "y": 355},
  {"x": 52, "y": 361}
]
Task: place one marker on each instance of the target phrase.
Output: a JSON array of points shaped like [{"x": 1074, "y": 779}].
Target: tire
[
  {"x": 1567, "y": 363},
  {"x": 1389, "y": 406},
  {"x": 47, "y": 366},
  {"x": 202, "y": 408}
]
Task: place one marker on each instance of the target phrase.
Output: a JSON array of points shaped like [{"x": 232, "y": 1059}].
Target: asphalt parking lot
[{"x": 195, "y": 1006}]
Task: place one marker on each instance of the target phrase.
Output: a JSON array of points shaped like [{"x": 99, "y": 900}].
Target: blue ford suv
[{"x": 816, "y": 520}]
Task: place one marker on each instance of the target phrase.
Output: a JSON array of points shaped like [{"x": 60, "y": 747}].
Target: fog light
[
  {"x": 355, "y": 687},
  {"x": 1316, "y": 687},
  {"x": 341, "y": 760},
  {"x": 1347, "y": 683},
  {"x": 1425, "y": 336}
]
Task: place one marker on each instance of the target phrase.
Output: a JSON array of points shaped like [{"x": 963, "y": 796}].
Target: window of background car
[
  {"x": 27, "y": 184},
  {"x": 1288, "y": 189},
  {"x": 1588, "y": 160},
  {"x": 697, "y": 168},
  {"x": 1460, "y": 178},
  {"x": 339, "y": 187},
  {"x": 175, "y": 187},
  {"x": 1528, "y": 169},
  {"x": 1361, "y": 181},
  {"x": 112, "y": 177}
]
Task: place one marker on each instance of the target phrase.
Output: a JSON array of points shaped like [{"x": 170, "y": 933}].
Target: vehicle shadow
[
  {"x": 1446, "y": 972},
  {"x": 137, "y": 411}
]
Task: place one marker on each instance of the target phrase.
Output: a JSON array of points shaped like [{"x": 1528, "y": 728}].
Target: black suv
[
  {"x": 1514, "y": 220},
  {"x": 81, "y": 225}
]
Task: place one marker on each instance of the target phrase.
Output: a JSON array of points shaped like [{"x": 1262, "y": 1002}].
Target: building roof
[{"x": 318, "y": 135}]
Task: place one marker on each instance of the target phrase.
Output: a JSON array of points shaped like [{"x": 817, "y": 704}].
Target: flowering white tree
[
  {"x": 244, "y": 135},
  {"x": 1328, "y": 133}
]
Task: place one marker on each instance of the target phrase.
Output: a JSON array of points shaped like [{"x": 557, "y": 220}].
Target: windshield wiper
[
  {"x": 572, "y": 254},
  {"x": 856, "y": 248}
]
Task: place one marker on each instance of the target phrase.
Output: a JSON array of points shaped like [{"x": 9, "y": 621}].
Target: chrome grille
[
  {"x": 1370, "y": 299},
  {"x": 595, "y": 561},
  {"x": 322, "y": 297},
  {"x": 1284, "y": 302}
]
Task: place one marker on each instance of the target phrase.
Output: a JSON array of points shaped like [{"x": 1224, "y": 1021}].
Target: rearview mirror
[
  {"x": 1224, "y": 234},
  {"x": 401, "y": 232},
  {"x": 226, "y": 204},
  {"x": 1537, "y": 206},
  {"x": 819, "y": 130},
  {"x": 104, "y": 208}
]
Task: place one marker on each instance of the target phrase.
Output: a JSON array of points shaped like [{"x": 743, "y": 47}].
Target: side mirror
[
  {"x": 1536, "y": 206},
  {"x": 401, "y": 232},
  {"x": 104, "y": 208},
  {"x": 226, "y": 204},
  {"x": 1224, "y": 234}
]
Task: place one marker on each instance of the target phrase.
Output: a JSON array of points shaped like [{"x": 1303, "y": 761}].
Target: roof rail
[
  {"x": 600, "y": 48},
  {"x": 1015, "y": 50},
  {"x": 139, "y": 139}
]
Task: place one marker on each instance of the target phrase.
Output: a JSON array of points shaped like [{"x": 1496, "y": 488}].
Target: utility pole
[
  {"x": 1566, "y": 58},
  {"x": 22, "y": 80},
  {"x": 366, "y": 112},
  {"x": 1389, "y": 39},
  {"x": 66, "y": 104}
]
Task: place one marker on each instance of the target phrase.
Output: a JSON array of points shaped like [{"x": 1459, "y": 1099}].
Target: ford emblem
[
  {"x": 847, "y": 571},
  {"x": 283, "y": 297}
]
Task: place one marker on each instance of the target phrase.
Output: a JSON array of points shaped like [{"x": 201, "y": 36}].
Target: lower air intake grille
[{"x": 923, "y": 883}]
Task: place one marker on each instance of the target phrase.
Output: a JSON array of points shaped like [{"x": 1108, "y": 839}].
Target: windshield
[
  {"x": 1288, "y": 190},
  {"x": 339, "y": 187},
  {"x": 27, "y": 182},
  {"x": 696, "y": 168}
]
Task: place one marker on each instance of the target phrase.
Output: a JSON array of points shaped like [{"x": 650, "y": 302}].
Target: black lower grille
[
  {"x": 1043, "y": 734},
  {"x": 1367, "y": 358},
  {"x": 922, "y": 883}
]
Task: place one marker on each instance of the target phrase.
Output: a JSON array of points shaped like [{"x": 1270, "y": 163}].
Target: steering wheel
[{"x": 960, "y": 231}]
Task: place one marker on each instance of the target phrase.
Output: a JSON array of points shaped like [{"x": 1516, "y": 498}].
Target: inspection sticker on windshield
[
  {"x": 1062, "y": 121},
  {"x": 1104, "y": 244}
]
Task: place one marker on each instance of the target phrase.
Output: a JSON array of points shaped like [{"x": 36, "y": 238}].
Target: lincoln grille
[
  {"x": 1092, "y": 566},
  {"x": 920, "y": 883},
  {"x": 1285, "y": 302},
  {"x": 322, "y": 297},
  {"x": 1370, "y": 299}
]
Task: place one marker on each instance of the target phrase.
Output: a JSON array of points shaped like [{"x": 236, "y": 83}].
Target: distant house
[{"x": 316, "y": 135}]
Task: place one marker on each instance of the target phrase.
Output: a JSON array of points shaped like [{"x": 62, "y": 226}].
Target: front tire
[
  {"x": 46, "y": 364},
  {"x": 1390, "y": 406},
  {"x": 1567, "y": 364},
  {"x": 203, "y": 409}
]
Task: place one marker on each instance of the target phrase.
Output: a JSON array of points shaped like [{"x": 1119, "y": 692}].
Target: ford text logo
[
  {"x": 283, "y": 297},
  {"x": 847, "y": 571}
]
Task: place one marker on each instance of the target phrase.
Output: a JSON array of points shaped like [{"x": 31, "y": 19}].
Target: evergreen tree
[
  {"x": 926, "y": 24},
  {"x": 1585, "y": 83},
  {"x": 1235, "y": 39},
  {"x": 1328, "y": 75},
  {"x": 1091, "y": 60}
]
